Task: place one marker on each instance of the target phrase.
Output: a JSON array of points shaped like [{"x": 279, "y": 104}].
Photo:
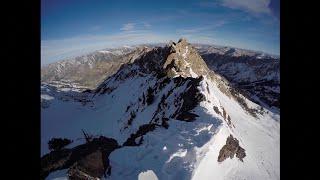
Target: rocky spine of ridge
[
  {"x": 173, "y": 60},
  {"x": 176, "y": 66}
]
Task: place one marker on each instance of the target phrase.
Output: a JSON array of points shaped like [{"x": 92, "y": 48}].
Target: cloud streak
[
  {"x": 213, "y": 26},
  {"x": 95, "y": 28},
  {"x": 252, "y": 6},
  {"x": 146, "y": 25},
  {"x": 128, "y": 27},
  {"x": 137, "y": 26}
]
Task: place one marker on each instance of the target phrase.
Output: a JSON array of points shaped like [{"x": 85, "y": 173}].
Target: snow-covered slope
[{"x": 172, "y": 117}]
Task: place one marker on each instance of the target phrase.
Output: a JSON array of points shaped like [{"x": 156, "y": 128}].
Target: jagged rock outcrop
[
  {"x": 190, "y": 99},
  {"x": 92, "y": 166},
  {"x": 184, "y": 60},
  {"x": 86, "y": 161},
  {"x": 230, "y": 149}
]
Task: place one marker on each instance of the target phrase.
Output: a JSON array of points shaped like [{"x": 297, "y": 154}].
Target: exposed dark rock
[
  {"x": 216, "y": 109},
  {"x": 191, "y": 98},
  {"x": 80, "y": 158},
  {"x": 230, "y": 149},
  {"x": 229, "y": 120},
  {"x": 152, "y": 61},
  {"x": 87, "y": 91},
  {"x": 53, "y": 161},
  {"x": 187, "y": 116},
  {"x": 56, "y": 144},
  {"x": 89, "y": 167},
  {"x": 241, "y": 154},
  {"x": 143, "y": 99},
  {"x": 150, "y": 96},
  {"x": 102, "y": 89},
  {"x": 165, "y": 123},
  {"x": 208, "y": 87},
  {"x": 225, "y": 116},
  {"x": 107, "y": 90},
  {"x": 164, "y": 82},
  {"x": 161, "y": 74},
  {"x": 161, "y": 106},
  {"x": 173, "y": 66},
  {"x": 132, "y": 116},
  {"x": 224, "y": 113},
  {"x": 128, "y": 107},
  {"x": 180, "y": 80},
  {"x": 144, "y": 129},
  {"x": 182, "y": 40}
]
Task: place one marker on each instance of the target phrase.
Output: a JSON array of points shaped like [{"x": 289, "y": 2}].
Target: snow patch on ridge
[{"x": 148, "y": 175}]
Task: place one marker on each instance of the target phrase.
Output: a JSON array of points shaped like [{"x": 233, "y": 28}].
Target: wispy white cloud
[
  {"x": 146, "y": 25},
  {"x": 128, "y": 27},
  {"x": 95, "y": 28},
  {"x": 251, "y": 6},
  {"x": 254, "y": 7},
  {"x": 136, "y": 26},
  {"x": 212, "y": 26}
]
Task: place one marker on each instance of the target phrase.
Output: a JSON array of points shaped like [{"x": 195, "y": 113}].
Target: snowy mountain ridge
[
  {"x": 172, "y": 117},
  {"x": 255, "y": 74}
]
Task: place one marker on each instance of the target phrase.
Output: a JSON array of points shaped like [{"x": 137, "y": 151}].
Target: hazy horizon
[{"x": 77, "y": 54}]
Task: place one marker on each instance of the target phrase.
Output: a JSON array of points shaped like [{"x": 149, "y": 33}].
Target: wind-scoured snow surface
[
  {"x": 259, "y": 137},
  {"x": 186, "y": 150}
]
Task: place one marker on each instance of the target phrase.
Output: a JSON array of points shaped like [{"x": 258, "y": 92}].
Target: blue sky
[{"x": 75, "y": 27}]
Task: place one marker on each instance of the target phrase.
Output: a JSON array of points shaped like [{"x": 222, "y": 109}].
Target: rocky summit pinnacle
[
  {"x": 175, "y": 59},
  {"x": 184, "y": 60}
]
